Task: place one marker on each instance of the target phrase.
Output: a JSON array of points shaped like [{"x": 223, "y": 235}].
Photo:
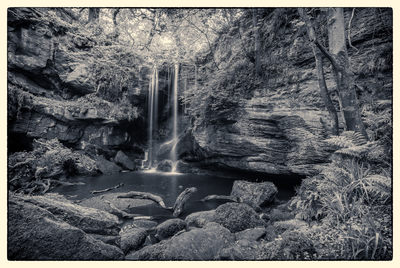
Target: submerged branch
[{"x": 108, "y": 189}]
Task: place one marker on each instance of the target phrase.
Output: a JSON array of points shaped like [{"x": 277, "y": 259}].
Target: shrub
[{"x": 344, "y": 197}]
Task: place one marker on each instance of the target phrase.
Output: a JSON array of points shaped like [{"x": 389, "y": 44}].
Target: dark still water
[{"x": 168, "y": 186}]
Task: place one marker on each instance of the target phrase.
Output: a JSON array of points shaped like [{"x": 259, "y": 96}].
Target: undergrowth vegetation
[{"x": 350, "y": 200}]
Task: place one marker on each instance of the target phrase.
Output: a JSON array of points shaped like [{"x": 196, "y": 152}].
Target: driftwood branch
[
  {"x": 122, "y": 214},
  {"x": 144, "y": 195},
  {"x": 182, "y": 199},
  {"x": 66, "y": 183},
  {"x": 221, "y": 197},
  {"x": 108, "y": 189}
]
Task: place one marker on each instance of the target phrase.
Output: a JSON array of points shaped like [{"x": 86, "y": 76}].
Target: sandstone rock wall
[
  {"x": 52, "y": 89},
  {"x": 280, "y": 127}
]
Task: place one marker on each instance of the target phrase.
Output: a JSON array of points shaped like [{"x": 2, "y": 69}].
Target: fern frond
[
  {"x": 357, "y": 151},
  {"x": 347, "y": 139},
  {"x": 379, "y": 186}
]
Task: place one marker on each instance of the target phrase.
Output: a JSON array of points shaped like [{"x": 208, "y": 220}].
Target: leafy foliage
[{"x": 344, "y": 196}]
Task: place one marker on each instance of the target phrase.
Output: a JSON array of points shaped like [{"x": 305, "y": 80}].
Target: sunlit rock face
[{"x": 279, "y": 126}]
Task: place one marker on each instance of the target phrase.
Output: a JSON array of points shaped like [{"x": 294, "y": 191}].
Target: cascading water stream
[
  {"x": 174, "y": 156},
  {"x": 152, "y": 115}
]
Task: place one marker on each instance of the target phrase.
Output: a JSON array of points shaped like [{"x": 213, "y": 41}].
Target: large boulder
[
  {"x": 197, "y": 244},
  {"x": 254, "y": 194},
  {"x": 124, "y": 161},
  {"x": 89, "y": 220},
  {"x": 132, "y": 238},
  {"x": 36, "y": 234},
  {"x": 237, "y": 217},
  {"x": 201, "y": 218},
  {"x": 169, "y": 228},
  {"x": 107, "y": 167}
]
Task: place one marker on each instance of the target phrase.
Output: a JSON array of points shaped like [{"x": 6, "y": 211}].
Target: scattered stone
[
  {"x": 201, "y": 218},
  {"x": 197, "y": 244},
  {"x": 237, "y": 217},
  {"x": 254, "y": 194},
  {"x": 132, "y": 239},
  {"x": 124, "y": 161},
  {"x": 169, "y": 228}
]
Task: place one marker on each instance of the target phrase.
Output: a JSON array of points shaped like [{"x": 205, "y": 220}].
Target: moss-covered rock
[{"x": 237, "y": 217}]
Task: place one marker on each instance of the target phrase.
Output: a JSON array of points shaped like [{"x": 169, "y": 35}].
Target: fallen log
[
  {"x": 107, "y": 189},
  {"x": 144, "y": 195},
  {"x": 182, "y": 199},
  {"x": 221, "y": 197}
]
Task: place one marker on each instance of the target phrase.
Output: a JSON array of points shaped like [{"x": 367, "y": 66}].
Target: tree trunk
[
  {"x": 256, "y": 42},
  {"x": 320, "y": 74},
  {"x": 94, "y": 14},
  {"x": 343, "y": 75}
]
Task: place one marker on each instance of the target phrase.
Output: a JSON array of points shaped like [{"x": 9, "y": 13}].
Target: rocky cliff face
[
  {"x": 52, "y": 90},
  {"x": 280, "y": 127}
]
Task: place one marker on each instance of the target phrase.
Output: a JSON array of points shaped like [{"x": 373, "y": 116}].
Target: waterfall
[
  {"x": 174, "y": 156},
  {"x": 152, "y": 114}
]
